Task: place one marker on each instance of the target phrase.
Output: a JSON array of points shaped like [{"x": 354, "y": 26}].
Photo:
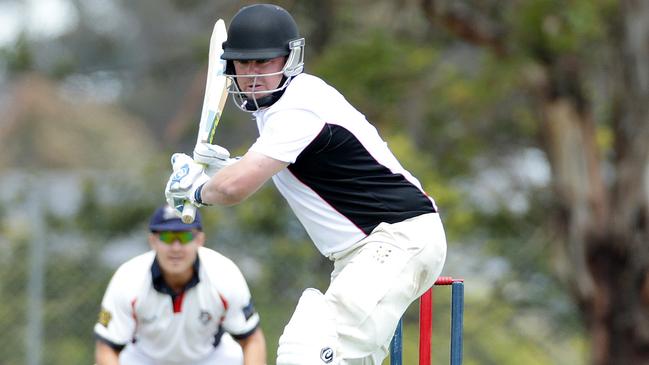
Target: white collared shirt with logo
[
  {"x": 342, "y": 180},
  {"x": 133, "y": 311}
]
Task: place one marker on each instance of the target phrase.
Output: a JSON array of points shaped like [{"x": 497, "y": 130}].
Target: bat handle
[{"x": 189, "y": 213}]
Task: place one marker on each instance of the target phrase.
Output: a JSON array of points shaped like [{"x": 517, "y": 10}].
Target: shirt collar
[{"x": 161, "y": 286}]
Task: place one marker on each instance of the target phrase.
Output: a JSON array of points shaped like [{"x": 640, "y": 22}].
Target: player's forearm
[
  {"x": 105, "y": 355},
  {"x": 225, "y": 188},
  {"x": 254, "y": 349},
  {"x": 235, "y": 183}
]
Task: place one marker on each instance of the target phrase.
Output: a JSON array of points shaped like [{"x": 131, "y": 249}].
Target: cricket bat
[{"x": 216, "y": 93}]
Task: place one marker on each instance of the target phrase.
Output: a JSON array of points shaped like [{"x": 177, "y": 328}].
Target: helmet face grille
[
  {"x": 260, "y": 31},
  {"x": 247, "y": 101}
]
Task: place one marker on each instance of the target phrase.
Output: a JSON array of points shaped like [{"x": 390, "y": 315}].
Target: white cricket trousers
[
  {"x": 228, "y": 352},
  {"x": 375, "y": 281}
]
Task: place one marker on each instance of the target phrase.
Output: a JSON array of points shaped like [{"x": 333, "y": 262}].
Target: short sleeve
[
  {"x": 286, "y": 133},
  {"x": 116, "y": 322},
  {"x": 241, "y": 317}
]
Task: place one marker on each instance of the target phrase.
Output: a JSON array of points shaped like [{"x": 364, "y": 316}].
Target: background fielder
[
  {"x": 180, "y": 303},
  {"x": 360, "y": 207}
]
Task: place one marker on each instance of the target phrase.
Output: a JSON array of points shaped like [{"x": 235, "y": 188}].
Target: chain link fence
[{"x": 53, "y": 271}]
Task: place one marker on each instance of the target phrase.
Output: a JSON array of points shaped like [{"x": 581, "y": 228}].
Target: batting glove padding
[
  {"x": 187, "y": 177},
  {"x": 213, "y": 156}
]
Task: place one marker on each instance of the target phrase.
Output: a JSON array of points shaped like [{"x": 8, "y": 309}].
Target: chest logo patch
[{"x": 205, "y": 317}]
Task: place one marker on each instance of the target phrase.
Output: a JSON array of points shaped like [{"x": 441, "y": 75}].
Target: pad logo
[
  {"x": 327, "y": 355},
  {"x": 104, "y": 317}
]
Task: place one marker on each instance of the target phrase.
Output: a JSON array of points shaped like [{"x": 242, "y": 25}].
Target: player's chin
[
  {"x": 260, "y": 94},
  {"x": 177, "y": 269},
  {"x": 256, "y": 89},
  {"x": 176, "y": 265}
]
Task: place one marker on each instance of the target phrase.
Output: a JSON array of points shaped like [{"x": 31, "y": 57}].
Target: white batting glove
[
  {"x": 185, "y": 182},
  {"x": 213, "y": 156}
]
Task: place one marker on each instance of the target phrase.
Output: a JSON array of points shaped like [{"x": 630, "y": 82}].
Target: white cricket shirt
[
  {"x": 342, "y": 180},
  {"x": 183, "y": 329}
]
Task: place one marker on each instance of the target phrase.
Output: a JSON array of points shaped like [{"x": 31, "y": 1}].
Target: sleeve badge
[{"x": 104, "y": 317}]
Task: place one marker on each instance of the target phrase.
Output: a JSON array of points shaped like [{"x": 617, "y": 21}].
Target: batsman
[{"x": 360, "y": 207}]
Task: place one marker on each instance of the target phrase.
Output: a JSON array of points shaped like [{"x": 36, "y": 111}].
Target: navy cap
[{"x": 165, "y": 219}]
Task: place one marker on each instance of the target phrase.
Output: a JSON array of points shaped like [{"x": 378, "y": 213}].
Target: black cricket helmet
[{"x": 263, "y": 31}]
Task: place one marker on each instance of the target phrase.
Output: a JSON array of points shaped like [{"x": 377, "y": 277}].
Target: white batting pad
[{"x": 310, "y": 336}]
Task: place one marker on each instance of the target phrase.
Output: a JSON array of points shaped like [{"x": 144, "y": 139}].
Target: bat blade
[
  {"x": 216, "y": 86},
  {"x": 216, "y": 93}
]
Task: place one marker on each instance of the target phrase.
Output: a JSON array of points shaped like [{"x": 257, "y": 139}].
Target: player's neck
[{"x": 177, "y": 282}]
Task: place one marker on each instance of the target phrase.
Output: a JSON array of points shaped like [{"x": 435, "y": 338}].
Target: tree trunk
[
  {"x": 602, "y": 220},
  {"x": 604, "y": 223}
]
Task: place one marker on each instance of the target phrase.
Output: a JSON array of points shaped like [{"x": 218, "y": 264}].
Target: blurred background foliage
[{"x": 96, "y": 95}]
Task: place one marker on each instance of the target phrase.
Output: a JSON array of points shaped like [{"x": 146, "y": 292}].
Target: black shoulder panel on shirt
[{"x": 340, "y": 169}]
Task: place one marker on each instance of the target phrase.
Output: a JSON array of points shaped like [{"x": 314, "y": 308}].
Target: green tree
[{"x": 582, "y": 67}]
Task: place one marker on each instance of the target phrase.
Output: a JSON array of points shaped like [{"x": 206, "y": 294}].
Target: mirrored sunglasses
[{"x": 169, "y": 237}]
